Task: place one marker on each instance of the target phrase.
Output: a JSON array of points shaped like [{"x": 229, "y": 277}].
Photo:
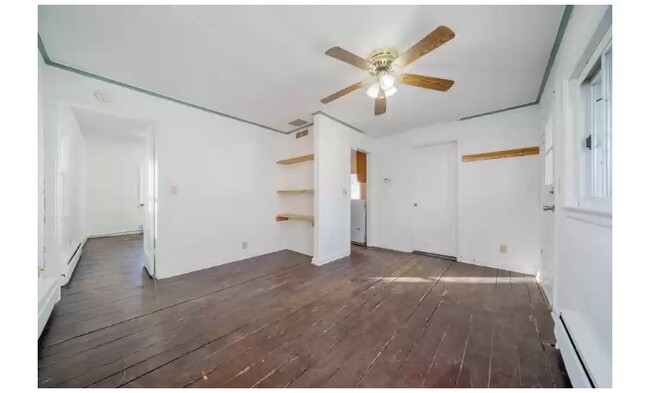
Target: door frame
[
  {"x": 369, "y": 239},
  {"x": 152, "y": 153},
  {"x": 457, "y": 189},
  {"x": 151, "y": 130}
]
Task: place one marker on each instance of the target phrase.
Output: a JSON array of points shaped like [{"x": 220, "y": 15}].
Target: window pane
[
  {"x": 608, "y": 110},
  {"x": 355, "y": 187},
  {"x": 548, "y": 158}
]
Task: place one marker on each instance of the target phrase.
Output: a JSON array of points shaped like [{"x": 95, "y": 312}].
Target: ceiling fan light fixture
[
  {"x": 386, "y": 81},
  {"x": 373, "y": 90}
]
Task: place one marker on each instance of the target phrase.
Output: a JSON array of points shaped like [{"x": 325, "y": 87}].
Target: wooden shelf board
[
  {"x": 304, "y": 191},
  {"x": 294, "y": 160},
  {"x": 291, "y": 216},
  {"x": 526, "y": 151}
]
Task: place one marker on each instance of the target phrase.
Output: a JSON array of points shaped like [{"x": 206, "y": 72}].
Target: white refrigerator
[{"x": 358, "y": 221}]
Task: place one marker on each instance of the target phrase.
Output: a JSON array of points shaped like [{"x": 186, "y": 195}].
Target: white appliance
[{"x": 358, "y": 221}]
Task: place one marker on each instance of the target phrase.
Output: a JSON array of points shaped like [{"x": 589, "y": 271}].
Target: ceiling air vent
[
  {"x": 298, "y": 123},
  {"x": 302, "y": 133}
]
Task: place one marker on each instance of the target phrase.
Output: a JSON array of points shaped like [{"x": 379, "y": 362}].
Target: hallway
[{"x": 377, "y": 318}]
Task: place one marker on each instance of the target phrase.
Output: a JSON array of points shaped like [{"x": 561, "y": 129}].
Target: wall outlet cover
[
  {"x": 503, "y": 248},
  {"x": 244, "y": 245}
]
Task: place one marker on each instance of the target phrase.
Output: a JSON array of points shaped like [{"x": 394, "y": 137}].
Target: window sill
[{"x": 590, "y": 216}]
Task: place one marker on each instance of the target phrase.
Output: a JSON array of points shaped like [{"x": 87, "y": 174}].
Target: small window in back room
[
  {"x": 596, "y": 143},
  {"x": 355, "y": 187}
]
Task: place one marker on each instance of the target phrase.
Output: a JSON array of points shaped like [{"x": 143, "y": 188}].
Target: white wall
[
  {"x": 112, "y": 180},
  {"x": 582, "y": 275},
  {"x": 64, "y": 209},
  {"x": 41, "y": 167},
  {"x": 498, "y": 200},
  {"x": 224, "y": 172},
  {"x": 332, "y": 167},
  {"x": 298, "y": 235}
]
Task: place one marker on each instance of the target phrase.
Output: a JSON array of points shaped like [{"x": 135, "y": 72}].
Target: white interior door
[
  {"x": 433, "y": 199},
  {"x": 548, "y": 207},
  {"x": 150, "y": 208}
]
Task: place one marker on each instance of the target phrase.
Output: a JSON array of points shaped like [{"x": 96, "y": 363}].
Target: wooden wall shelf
[
  {"x": 305, "y": 191},
  {"x": 295, "y": 160},
  {"x": 526, "y": 151},
  {"x": 291, "y": 216}
]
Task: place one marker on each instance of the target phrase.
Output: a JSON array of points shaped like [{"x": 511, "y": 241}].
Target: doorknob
[{"x": 547, "y": 208}]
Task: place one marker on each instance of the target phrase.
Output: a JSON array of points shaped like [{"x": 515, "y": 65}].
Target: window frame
[{"x": 586, "y": 197}]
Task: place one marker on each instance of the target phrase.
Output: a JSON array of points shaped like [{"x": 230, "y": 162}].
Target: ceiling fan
[{"x": 381, "y": 64}]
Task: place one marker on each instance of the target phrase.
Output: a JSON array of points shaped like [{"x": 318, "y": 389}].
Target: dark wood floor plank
[
  {"x": 544, "y": 325},
  {"x": 533, "y": 364},
  {"x": 377, "y": 318},
  {"x": 504, "y": 357},
  {"x": 475, "y": 365}
]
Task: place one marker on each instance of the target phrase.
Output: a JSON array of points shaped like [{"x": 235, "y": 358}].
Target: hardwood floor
[{"x": 378, "y": 318}]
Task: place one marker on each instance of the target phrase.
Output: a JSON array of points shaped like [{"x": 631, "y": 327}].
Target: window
[
  {"x": 596, "y": 140},
  {"x": 548, "y": 152},
  {"x": 355, "y": 187}
]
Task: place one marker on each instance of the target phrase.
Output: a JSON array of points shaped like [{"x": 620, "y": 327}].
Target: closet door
[{"x": 433, "y": 199}]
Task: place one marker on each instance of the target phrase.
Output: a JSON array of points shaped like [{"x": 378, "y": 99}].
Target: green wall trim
[
  {"x": 42, "y": 51},
  {"x": 556, "y": 46},
  {"x": 512, "y": 108},
  {"x": 64, "y": 67},
  {"x": 338, "y": 121}
]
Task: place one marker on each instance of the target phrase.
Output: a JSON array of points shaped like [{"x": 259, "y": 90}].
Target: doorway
[
  {"x": 358, "y": 197},
  {"x": 433, "y": 190},
  {"x": 120, "y": 182}
]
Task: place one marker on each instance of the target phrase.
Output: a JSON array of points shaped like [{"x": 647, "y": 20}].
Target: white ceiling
[
  {"x": 102, "y": 125},
  {"x": 267, "y": 64}
]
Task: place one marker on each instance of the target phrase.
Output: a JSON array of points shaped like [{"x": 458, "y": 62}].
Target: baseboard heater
[
  {"x": 573, "y": 360},
  {"x": 72, "y": 262},
  {"x": 430, "y": 254}
]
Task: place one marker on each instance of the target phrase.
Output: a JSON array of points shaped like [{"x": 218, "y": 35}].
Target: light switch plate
[
  {"x": 503, "y": 248},
  {"x": 173, "y": 190}
]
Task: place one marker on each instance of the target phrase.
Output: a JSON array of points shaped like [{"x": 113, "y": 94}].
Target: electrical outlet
[
  {"x": 244, "y": 245},
  {"x": 173, "y": 190},
  {"x": 503, "y": 248}
]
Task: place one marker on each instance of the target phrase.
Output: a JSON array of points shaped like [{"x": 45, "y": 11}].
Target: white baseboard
[
  {"x": 49, "y": 293},
  {"x": 135, "y": 232},
  {"x": 323, "y": 261}
]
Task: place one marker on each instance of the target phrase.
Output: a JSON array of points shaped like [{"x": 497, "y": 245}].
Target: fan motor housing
[{"x": 382, "y": 59}]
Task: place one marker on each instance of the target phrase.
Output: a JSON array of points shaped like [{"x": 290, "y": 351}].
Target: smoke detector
[{"x": 102, "y": 95}]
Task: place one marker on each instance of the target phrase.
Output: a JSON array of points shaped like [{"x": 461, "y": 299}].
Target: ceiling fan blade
[
  {"x": 350, "y": 58},
  {"x": 427, "y": 82},
  {"x": 343, "y": 92},
  {"x": 380, "y": 103},
  {"x": 433, "y": 40}
]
